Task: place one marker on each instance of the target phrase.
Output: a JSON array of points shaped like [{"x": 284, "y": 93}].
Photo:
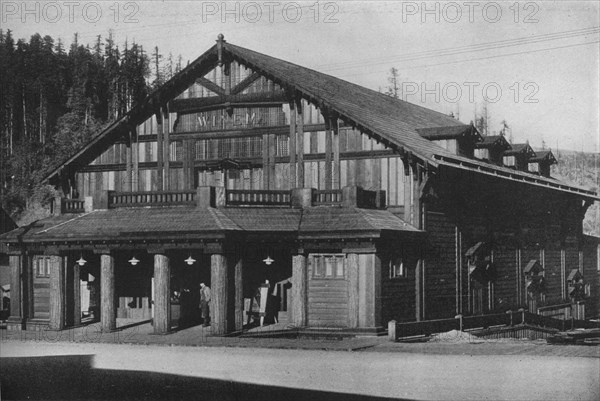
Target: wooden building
[{"x": 367, "y": 207}]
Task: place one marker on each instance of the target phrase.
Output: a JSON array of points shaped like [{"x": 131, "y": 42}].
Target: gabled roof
[
  {"x": 543, "y": 156},
  {"x": 395, "y": 122},
  {"x": 520, "y": 149},
  {"x": 449, "y": 132},
  {"x": 491, "y": 141}
]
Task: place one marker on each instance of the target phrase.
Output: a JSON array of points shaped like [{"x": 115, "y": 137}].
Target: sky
[{"x": 535, "y": 63}]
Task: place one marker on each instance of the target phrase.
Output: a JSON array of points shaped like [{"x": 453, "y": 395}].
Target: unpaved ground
[{"x": 112, "y": 371}]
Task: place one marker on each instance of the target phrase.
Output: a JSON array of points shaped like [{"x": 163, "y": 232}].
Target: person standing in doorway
[{"x": 205, "y": 304}]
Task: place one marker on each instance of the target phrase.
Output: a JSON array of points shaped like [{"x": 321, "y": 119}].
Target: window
[
  {"x": 509, "y": 161},
  {"x": 328, "y": 266},
  {"x": 397, "y": 266},
  {"x": 42, "y": 267}
]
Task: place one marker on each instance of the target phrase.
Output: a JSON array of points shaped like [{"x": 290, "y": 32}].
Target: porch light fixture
[
  {"x": 190, "y": 261},
  {"x": 81, "y": 261},
  {"x": 133, "y": 261},
  {"x": 268, "y": 261}
]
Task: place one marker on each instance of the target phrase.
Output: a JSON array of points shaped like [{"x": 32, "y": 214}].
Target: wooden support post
[
  {"x": 266, "y": 160},
  {"x": 416, "y": 209},
  {"x": 369, "y": 290},
  {"x": 336, "y": 179},
  {"x": 162, "y": 289},
  {"x": 159, "y": 151},
  {"x": 239, "y": 292},
  {"x": 353, "y": 297},
  {"x": 76, "y": 298},
  {"x": 418, "y": 292},
  {"x": 135, "y": 155},
  {"x": 292, "y": 144},
  {"x": 299, "y": 291},
  {"x": 300, "y": 144},
  {"x": 108, "y": 315},
  {"x": 15, "y": 321},
  {"x": 328, "y": 150},
  {"x": 408, "y": 183},
  {"x": 272, "y": 153},
  {"x": 129, "y": 176},
  {"x": 166, "y": 150},
  {"x": 57, "y": 293},
  {"x": 219, "y": 293}
]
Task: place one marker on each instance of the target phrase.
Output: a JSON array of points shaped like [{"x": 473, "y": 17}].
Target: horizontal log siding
[
  {"x": 591, "y": 275},
  {"x": 506, "y": 274},
  {"x": 327, "y": 302},
  {"x": 440, "y": 270},
  {"x": 41, "y": 297},
  {"x": 553, "y": 275}
]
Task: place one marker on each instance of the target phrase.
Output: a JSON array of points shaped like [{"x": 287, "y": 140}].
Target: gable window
[
  {"x": 397, "y": 266},
  {"x": 509, "y": 161},
  {"x": 328, "y": 266}
]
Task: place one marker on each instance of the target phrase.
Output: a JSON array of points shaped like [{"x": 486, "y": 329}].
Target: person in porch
[{"x": 205, "y": 304}]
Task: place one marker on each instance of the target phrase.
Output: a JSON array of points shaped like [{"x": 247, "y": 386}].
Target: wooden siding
[
  {"x": 398, "y": 294},
  {"x": 440, "y": 270},
  {"x": 327, "y": 299},
  {"x": 41, "y": 297}
]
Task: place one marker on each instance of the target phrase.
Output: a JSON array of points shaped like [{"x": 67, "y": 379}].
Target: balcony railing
[
  {"x": 72, "y": 206},
  {"x": 327, "y": 197},
  {"x": 249, "y": 197},
  {"x": 155, "y": 198}
]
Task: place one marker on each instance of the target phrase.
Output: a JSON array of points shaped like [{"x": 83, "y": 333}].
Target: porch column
[
  {"x": 57, "y": 293},
  {"x": 239, "y": 292},
  {"x": 162, "y": 288},
  {"x": 300, "y": 144},
  {"x": 353, "y": 294},
  {"x": 15, "y": 321},
  {"x": 219, "y": 293},
  {"x": 298, "y": 304},
  {"x": 108, "y": 315},
  {"x": 76, "y": 294}
]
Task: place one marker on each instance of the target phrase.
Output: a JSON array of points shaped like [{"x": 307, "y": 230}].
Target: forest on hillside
[{"x": 53, "y": 99}]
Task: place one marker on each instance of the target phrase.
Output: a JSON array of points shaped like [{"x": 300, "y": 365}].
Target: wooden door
[{"x": 327, "y": 290}]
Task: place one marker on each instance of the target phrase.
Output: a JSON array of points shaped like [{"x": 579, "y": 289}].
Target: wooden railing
[
  {"x": 254, "y": 197},
  {"x": 461, "y": 323},
  {"x": 72, "y": 206},
  {"x": 327, "y": 197},
  {"x": 136, "y": 199}
]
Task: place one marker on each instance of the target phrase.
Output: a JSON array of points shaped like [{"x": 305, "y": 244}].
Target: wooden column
[
  {"x": 265, "y": 160},
  {"x": 418, "y": 292},
  {"x": 328, "y": 151},
  {"x": 292, "y": 144},
  {"x": 129, "y": 176},
  {"x": 219, "y": 292},
  {"x": 166, "y": 150},
  {"x": 300, "y": 144},
  {"x": 135, "y": 155},
  {"x": 336, "y": 179},
  {"x": 408, "y": 183},
  {"x": 238, "y": 285},
  {"x": 162, "y": 299},
  {"x": 353, "y": 297},
  {"x": 57, "y": 293},
  {"x": 299, "y": 290},
  {"x": 108, "y": 314},
  {"x": 16, "y": 296},
  {"x": 159, "y": 150},
  {"x": 272, "y": 153},
  {"x": 76, "y": 282},
  {"x": 416, "y": 209}
]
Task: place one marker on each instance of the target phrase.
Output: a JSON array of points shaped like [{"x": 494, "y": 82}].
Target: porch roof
[{"x": 191, "y": 223}]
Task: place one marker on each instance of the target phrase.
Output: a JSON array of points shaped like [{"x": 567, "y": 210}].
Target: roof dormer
[
  {"x": 458, "y": 139},
  {"x": 541, "y": 162},
  {"x": 518, "y": 156},
  {"x": 492, "y": 149}
]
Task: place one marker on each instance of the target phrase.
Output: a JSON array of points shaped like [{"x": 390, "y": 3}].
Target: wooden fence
[{"x": 470, "y": 323}]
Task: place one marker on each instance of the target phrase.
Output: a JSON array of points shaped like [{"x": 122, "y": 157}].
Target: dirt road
[{"x": 73, "y": 370}]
